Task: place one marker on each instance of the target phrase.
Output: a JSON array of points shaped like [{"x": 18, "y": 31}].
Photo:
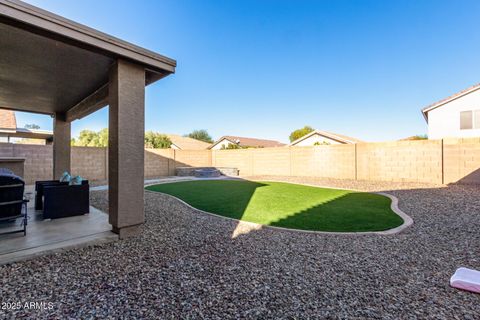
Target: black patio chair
[{"x": 12, "y": 203}]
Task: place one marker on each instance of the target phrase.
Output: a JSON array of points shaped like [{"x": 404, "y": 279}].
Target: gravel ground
[{"x": 191, "y": 265}]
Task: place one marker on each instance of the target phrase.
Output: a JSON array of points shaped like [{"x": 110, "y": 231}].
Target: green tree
[
  {"x": 102, "y": 138},
  {"x": 201, "y": 135},
  {"x": 300, "y": 133},
  {"x": 420, "y": 137},
  {"x": 231, "y": 146},
  {"x": 32, "y": 126},
  {"x": 157, "y": 140},
  {"x": 89, "y": 138}
]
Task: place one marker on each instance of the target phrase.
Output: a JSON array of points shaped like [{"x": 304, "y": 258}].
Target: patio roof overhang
[{"x": 50, "y": 64}]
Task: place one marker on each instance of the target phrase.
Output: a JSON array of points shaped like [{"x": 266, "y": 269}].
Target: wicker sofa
[{"x": 59, "y": 199}]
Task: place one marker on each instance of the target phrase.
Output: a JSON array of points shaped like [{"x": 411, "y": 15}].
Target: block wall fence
[
  {"x": 92, "y": 163},
  {"x": 428, "y": 161}
]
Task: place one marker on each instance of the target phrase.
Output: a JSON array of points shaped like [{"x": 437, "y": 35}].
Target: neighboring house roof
[
  {"x": 186, "y": 143},
  {"x": 334, "y": 136},
  {"x": 249, "y": 142},
  {"x": 8, "y": 127},
  {"x": 8, "y": 120},
  {"x": 33, "y": 134},
  {"x": 448, "y": 99}
]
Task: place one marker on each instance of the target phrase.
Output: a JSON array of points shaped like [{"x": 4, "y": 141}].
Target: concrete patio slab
[{"x": 45, "y": 235}]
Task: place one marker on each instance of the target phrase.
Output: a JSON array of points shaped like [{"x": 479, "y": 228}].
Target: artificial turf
[{"x": 287, "y": 205}]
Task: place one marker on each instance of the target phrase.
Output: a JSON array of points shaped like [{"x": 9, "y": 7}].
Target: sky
[{"x": 267, "y": 67}]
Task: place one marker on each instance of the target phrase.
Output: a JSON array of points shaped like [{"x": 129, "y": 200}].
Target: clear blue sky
[{"x": 263, "y": 68}]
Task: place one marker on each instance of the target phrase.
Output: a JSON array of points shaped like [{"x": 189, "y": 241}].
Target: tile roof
[
  {"x": 186, "y": 143},
  {"x": 8, "y": 120},
  {"x": 251, "y": 142}
]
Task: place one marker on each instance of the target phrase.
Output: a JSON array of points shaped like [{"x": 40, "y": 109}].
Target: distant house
[
  {"x": 186, "y": 143},
  {"x": 319, "y": 137},
  {"x": 455, "y": 116},
  {"x": 244, "y": 142},
  {"x": 10, "y": 133}
]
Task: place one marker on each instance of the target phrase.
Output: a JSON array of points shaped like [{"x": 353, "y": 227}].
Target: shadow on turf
[{"x": 340, "y": 215}]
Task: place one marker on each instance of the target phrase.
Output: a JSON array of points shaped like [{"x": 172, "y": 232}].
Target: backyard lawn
[{"x": 287, "y": 205}]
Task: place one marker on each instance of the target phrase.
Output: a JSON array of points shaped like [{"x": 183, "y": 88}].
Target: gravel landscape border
[
  {"x": 407, "y": 220},
  {"x": 218, "y": 269}
]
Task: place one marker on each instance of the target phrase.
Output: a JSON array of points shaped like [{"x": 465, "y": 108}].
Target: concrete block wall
[
  {"x": 242, "y": 159},
  {"x": 461, "y": 160},
  {"x": 427, "y": 161},
  {"x": 409, "y": 161},
  {"x": 335, "y": 161},
  {"x": 89, "y": 162},
  {"x": 271, "y": 161},
  {"x": 159, "y": 162},
  {"x": 6, "y": 150},
  {"x": 304, "y": 161},
  {"x": 430, "y": 161},
  {"x": 92, "y": 163},
  {"x": 38, "y": 161},
  {"x": 192, "y": 158}
]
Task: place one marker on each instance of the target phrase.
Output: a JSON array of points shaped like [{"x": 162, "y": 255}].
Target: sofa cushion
[
  {"x": 65, "y": 177},
  {"x": 76, "y": 181}
]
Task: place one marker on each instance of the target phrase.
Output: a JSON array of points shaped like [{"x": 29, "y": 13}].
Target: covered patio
[
  {"x": 54, "y": 66},
  {"x": 46, "y": 235}
]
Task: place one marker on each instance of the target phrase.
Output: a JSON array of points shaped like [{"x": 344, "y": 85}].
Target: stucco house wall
[
  {"x": 222, "y": 143},
  {"x": 310, "y": 141},
  {"x": 444, "y": 121}
]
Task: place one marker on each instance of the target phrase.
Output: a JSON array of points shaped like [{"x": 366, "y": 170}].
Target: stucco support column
[
  {"x": 61, "y": 145},
  {"x": 126, "y": 133}
]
